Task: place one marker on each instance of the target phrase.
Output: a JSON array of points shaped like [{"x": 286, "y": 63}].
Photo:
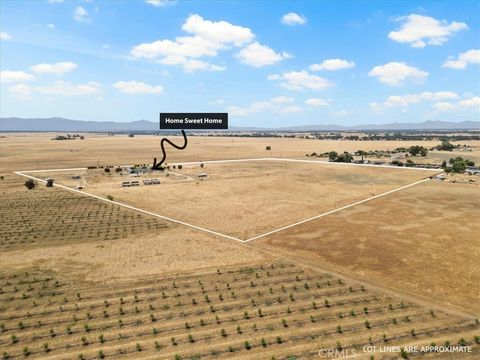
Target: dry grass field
[
  {"x": 424, "y": 239},
  {"x": 82, "y": 278},
  {"x": 245, "y": 199},
  {"x": 27, "y": 151}
]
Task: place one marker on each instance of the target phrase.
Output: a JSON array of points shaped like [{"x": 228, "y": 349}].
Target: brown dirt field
[
  {"x": 424, "y": 240},
  {"x": 399, "y": 256},
  {"x": 249, "y": 198},
  {"x": 30, "y": 151},
  {"x": 275, "y": 309}
]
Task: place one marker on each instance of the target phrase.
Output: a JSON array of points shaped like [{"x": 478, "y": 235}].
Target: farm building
[
  {"x": 202, "y": 176},
  {"x": 473, "y": 170}
]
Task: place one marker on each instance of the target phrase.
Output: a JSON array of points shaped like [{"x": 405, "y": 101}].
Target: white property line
[
  {"x": 257, "y": 159},
  {"x": 134, "y": 208},
  {"x": 22, "y": 173},
  {"x": 335, "y": 210}
]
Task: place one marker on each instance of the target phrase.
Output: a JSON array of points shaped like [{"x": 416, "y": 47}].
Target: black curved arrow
[{"x": 165, "y": 140}]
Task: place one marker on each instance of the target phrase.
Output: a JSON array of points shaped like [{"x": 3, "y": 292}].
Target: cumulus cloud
[
  {"x": 57, "y": 68},
  {"x": 301, "y": 80},
  {"x": 67, "y": 89},
  {"x": 218, "y": 32},
  {"x": 332, "y": 65},
  {"x": 5, "y": 36},
  {"x": 137, "y": 87},
  {"x": 420, "y": 30},
  {"x": 317, "y": 102},
  {"x": 472, "y": 103},
  {"x": 293, "y": 19},
  {"x": 21, "y": 91},
  {"x": 397, "y": 73},
  {"x": 14, "y": 76},
  {"x": 410, "y": 99},
  {"x": 469, "y": 57},
  {"x": 258, "y": 55},
  {"x": 282, "y": 100},
  {"x": 81, "y": 15},
  {"x": 159, "y": 3},
  {"x": 206, "y": 38}
]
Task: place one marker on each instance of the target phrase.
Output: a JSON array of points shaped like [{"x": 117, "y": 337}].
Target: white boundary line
[
  {"x": 22, "y": 173},
  {"x": 133, "y": 208},
  {"x": 336, "y": 210}
]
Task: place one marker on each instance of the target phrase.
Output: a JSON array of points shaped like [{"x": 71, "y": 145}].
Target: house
[
  {"x": 126, "y": 184},
  {"x": 155, "y": 181},
  {"x": 76, "y": 177},
  {"x": 147, "y": 182},
  {"x": 135, "y": 183}
]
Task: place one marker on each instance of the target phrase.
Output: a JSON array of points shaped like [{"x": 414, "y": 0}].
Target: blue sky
[{"x": 268, "y": 63}]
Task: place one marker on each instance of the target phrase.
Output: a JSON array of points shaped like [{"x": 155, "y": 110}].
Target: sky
[{"x": 266, "y": 63}]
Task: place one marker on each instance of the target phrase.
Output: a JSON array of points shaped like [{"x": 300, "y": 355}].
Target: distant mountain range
[{"x": 58, "y": 124}]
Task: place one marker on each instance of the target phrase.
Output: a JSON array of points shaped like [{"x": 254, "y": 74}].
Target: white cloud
[
  {"x": 293, "y": 19},
  {"x": 159, "y": 3},
  {"x": 397, "y": 73},
  {"x": 14, "y": 76},
  {"x": 219, "y": 32},
  {"x": 258, "y": 55},
  {"x": 332, "y": 64},
  {"x": 443, "y": 106},
  {"x": 67, "y": 89},
  {"x": 301, "y": 80},
  {"x": 137, "y": 87},
  {"x": 317, "y": 102},
  {"x": 473, "y": 101},
  {"x": 253, "y": 108},
  {"x": 282, "y": 100},
  {"x": 469, "y": 57},
  {"x": 55, "y": 1},
  {"x": 57, "y": 68},
  {"x": 5, "y": 36},
  {"x": 80, "y": 14},
  {"x": 469, "y": 104},
  {"x": 21, "y": 91},
  {"x": 410, "y": 99},
  {"x": 51, "y": 26},
  {"x": 419, "y": 30},
  {"x": 208, "y": 38},
  {"x": 291, "y": 109}
]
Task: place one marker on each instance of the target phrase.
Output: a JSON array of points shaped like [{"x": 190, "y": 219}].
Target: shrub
[
  {"x": 110, "y": 197},
  {"x": 101, "y": 355},
  {"x": 50, "y": 182},
  {"x": 279, "y": 340},
  {"x": 30, "y": 184},
  {"x": 138, "y": 347},
  {"x": 247, "y": 345},
  {"x": 263, "y": 342}
]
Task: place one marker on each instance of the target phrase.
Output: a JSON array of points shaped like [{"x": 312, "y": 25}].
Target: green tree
[{"x": 332, "y": 156}]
